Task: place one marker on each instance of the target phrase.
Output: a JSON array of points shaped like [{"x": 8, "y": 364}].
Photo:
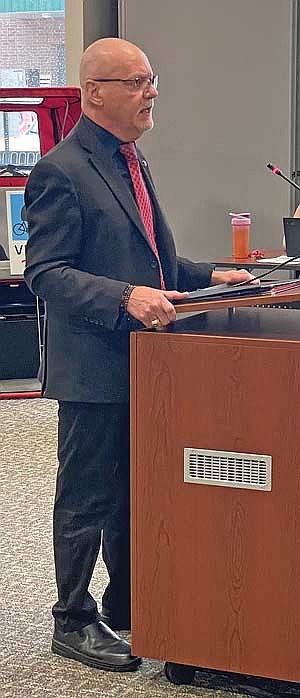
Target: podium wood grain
[{"x": 216, "y": 570}]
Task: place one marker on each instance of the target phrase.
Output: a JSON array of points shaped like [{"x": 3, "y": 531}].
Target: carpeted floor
[{"x": 27, "y": 586}]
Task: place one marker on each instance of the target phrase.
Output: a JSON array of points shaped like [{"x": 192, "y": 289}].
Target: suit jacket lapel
[
  {"x": 164, "y": 229},
  {"x": 164, "y": 238},
  {"x": 119, "y": 189},
  {"x": 105, "y": 169},
  {"x": 148, "y": 179}
]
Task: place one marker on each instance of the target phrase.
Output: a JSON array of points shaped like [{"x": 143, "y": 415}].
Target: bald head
[
  {"x": 118, "y": 89},
  {"x": 108, "y": 58}
]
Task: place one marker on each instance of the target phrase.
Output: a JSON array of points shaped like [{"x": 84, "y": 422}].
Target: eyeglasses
[{"x": 135, "y": 84}]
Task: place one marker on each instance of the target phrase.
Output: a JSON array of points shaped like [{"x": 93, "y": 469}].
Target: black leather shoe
[
  {"x": 95, "y": 645},
  {"x": 116, "y": 621}
]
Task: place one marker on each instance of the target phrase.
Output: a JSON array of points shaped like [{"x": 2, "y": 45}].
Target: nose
[{"x": 151, "y": 91}]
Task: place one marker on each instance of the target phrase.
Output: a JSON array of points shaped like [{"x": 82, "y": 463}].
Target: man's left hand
[{"x": 233, "y": 276}]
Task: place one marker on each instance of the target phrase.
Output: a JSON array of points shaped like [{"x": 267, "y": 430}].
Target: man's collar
[{"x": 106, "y": 139}]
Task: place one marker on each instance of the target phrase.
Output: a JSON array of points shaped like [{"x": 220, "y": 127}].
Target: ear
[{"x": 94, "y": 93}]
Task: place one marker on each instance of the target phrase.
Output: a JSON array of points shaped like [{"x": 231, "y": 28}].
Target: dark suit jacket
[{"x": 86, "y": 243}]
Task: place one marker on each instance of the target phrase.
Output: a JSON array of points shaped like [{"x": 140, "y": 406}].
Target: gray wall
[{"x": 222, "y": 113}]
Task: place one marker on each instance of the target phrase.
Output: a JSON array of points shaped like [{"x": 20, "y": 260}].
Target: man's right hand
[{"x": 147, "y": 304}]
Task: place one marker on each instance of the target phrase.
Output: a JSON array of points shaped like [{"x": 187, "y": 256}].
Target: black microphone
[{"x": 275, "y": 170}]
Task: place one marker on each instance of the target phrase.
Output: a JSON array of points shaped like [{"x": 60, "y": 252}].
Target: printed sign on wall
[{"x": 17, "y": 230}]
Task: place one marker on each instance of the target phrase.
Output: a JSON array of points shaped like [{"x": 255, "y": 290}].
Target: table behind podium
[{"x": 216, "y": 566}]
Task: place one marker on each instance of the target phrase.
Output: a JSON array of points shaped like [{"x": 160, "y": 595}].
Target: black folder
[{"x": 236, "y": 291}]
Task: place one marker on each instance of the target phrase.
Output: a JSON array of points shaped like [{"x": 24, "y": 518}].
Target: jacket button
[{"x": 153, "y": 263}]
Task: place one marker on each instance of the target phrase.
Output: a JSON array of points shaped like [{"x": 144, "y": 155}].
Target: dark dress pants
[{"x": 92, "y": 495}]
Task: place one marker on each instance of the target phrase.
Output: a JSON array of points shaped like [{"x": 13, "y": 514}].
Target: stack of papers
[{"x": 279, "y": 260}]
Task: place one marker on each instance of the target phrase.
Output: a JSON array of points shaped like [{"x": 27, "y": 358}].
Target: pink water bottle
[{"x": 240, "y": 235}]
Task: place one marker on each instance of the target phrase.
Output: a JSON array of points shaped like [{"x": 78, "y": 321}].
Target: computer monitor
[{"x": 291, "y": 227}]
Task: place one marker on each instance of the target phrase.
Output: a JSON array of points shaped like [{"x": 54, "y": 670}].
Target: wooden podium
[{"x": 216, "y": 567}]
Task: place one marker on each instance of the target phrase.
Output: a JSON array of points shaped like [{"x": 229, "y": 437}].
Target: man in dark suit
[{"x": 102, "y": 256}]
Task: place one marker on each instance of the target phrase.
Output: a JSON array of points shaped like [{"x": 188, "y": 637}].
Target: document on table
[{"x": 279, "y": 260}]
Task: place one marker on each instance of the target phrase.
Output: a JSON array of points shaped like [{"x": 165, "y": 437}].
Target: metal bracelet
[{"x": 126, "y": 295}]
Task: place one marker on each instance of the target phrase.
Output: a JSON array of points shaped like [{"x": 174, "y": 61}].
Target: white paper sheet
[{"x": 279, "y": 260}]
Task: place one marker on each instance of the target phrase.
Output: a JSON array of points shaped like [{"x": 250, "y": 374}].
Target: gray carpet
[{"x": 27, "y": 587}]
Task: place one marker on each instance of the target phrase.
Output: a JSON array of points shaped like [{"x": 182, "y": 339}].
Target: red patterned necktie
[{"x": 142, "y": 198}]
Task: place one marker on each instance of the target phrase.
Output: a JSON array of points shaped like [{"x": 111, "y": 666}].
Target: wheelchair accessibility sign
[{"x": 17, "y": 230}]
